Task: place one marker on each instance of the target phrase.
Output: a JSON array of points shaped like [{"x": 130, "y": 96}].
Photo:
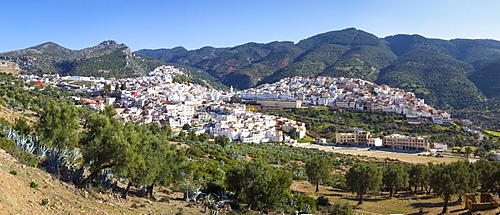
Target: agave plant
[
  {"x": 55, "y": 160},
  {"x": 42, "y": 151},
  {"x": 191, "y": 193},
  {"x": 21, "y": 141},
  {"x": 71, "y": 157},
  {"x": 307, "y": 208},
  {"x": 106, "y": 176}
]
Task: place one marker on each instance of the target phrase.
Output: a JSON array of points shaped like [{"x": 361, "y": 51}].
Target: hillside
[
  {"x": 349, "y": 53},
  {"x": 357, "y": 54},
  {"x": 108, "y": 59},
  {"x": 437, "y": 78},
  {"x": 486, "y": 77},
  {"x": 18, "y": 197},
  {"x": 9, "y": 67}
]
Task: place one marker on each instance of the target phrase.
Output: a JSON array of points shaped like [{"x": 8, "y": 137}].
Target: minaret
[{"x": 231, "y": 90}]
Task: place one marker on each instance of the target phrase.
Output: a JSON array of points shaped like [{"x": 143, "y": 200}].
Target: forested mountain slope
[
  {"x": 466, "y": 67},
  {"x": 359, "y": 54},
  {"x": 108, "y": 59}
]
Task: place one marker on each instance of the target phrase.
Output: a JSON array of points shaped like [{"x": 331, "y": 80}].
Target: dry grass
[
  {"x": 17, "y": 197},
  {"x": 402, "y": 203},
  {"x": 409, "y": 158}
]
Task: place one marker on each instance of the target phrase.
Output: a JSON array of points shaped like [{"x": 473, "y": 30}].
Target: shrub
[
  {"x": 34, "y": 185},
  {"x": 162, "y": 190},
  {"x": 13, "y": 172},
  {"x": 305, "y": 203},
  {"x": 340, "y": 209},
  {"x": 25, "y": 157},
  {"x": 322, "y": 201},
  {"x": 44, "y": 202},
  {"x": 6, "y": 144},
  {"x": 196, "y": 151},
  {"x": 164, "y": 199}
]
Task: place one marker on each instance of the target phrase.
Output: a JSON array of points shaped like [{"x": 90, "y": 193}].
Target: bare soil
[
  {"x": 9, "y": 67},
  {"x": 18, "y": 197},
  {"x": 405, "y": 157}
]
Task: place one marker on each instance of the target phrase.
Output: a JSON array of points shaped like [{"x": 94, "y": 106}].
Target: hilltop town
[
  {"x": 348, "y": 93},
  {"x": 157, "y": 98}
]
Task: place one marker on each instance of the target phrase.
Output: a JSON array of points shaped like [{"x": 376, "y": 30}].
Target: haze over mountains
[{"x": 450, "y": 74}]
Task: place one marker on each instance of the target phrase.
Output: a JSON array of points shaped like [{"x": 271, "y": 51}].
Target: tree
[
  {"x": 192, "y": 136},
  {"x": 186, "y": 127},
  {"x": 480, "y": 152},
  {"x": 293, "y": 133},
  {"x": 363, "y": 178},
  {"x": 104, "y": 145},
  {"x": 395, "y": 177},
  {"x": 451, "y": 179},
  {"x": 419, "y": 176},
  {"x": 489, "y": 175},
  {"x": 260, "y": 184},
  {"x": 21, "y": 125},
  {"x": 58, "y": 124},
  {"x": 163, "y": 160},
  {"x": 181, "y": 134},
  {"x": 266, "y": 187},
  {"x": 468, "y": 151},
  {"x": 203, "y": 137},
  {"x": 235, "y": 180},
  {"x": 318, "y": 170},
  {"x": 222, "y": 140},
  {"x": 109, "y": 111},
  {"x": 107, "y": 89}
]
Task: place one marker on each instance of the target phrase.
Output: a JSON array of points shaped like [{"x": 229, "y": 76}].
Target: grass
[
  {"x": 493, "y": 133},
  {"x": 402, "y": 203}
]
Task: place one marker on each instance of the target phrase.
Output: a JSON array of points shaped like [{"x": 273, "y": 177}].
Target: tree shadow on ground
[
  {"x": 432, "y": 205},
  {"x": 419, "y": 213}
]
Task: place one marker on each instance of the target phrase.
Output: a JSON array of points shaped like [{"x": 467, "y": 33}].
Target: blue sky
[{"x": 77, "y": 24}]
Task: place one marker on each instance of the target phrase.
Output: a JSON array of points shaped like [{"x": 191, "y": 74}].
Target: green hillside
[
  {"x": 439, "y": 73},
  {"x": 439, "y": 79},
  {"x": 450, "y": 74},
  {"x": 108, "y": 59}
]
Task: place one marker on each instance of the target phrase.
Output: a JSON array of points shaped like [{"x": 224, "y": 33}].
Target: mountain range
[
  {"x": 450, "y": 74},
  {"x": 109, "y": 59}
]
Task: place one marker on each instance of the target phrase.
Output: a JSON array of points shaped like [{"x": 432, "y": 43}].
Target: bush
[
  {"x": 196, "y": 151},
  {"x": 340, "y": 209},
  {"x": 34, "y": 185},
  {"x": 6, "y": 144},
  {"x": 44, "y": 202},
  {"x": 25, "y": 157},
  {"x": 13, "y": 172},
  {"x": 305, "y": 203},
  {"x": 322, "y": 201}
]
